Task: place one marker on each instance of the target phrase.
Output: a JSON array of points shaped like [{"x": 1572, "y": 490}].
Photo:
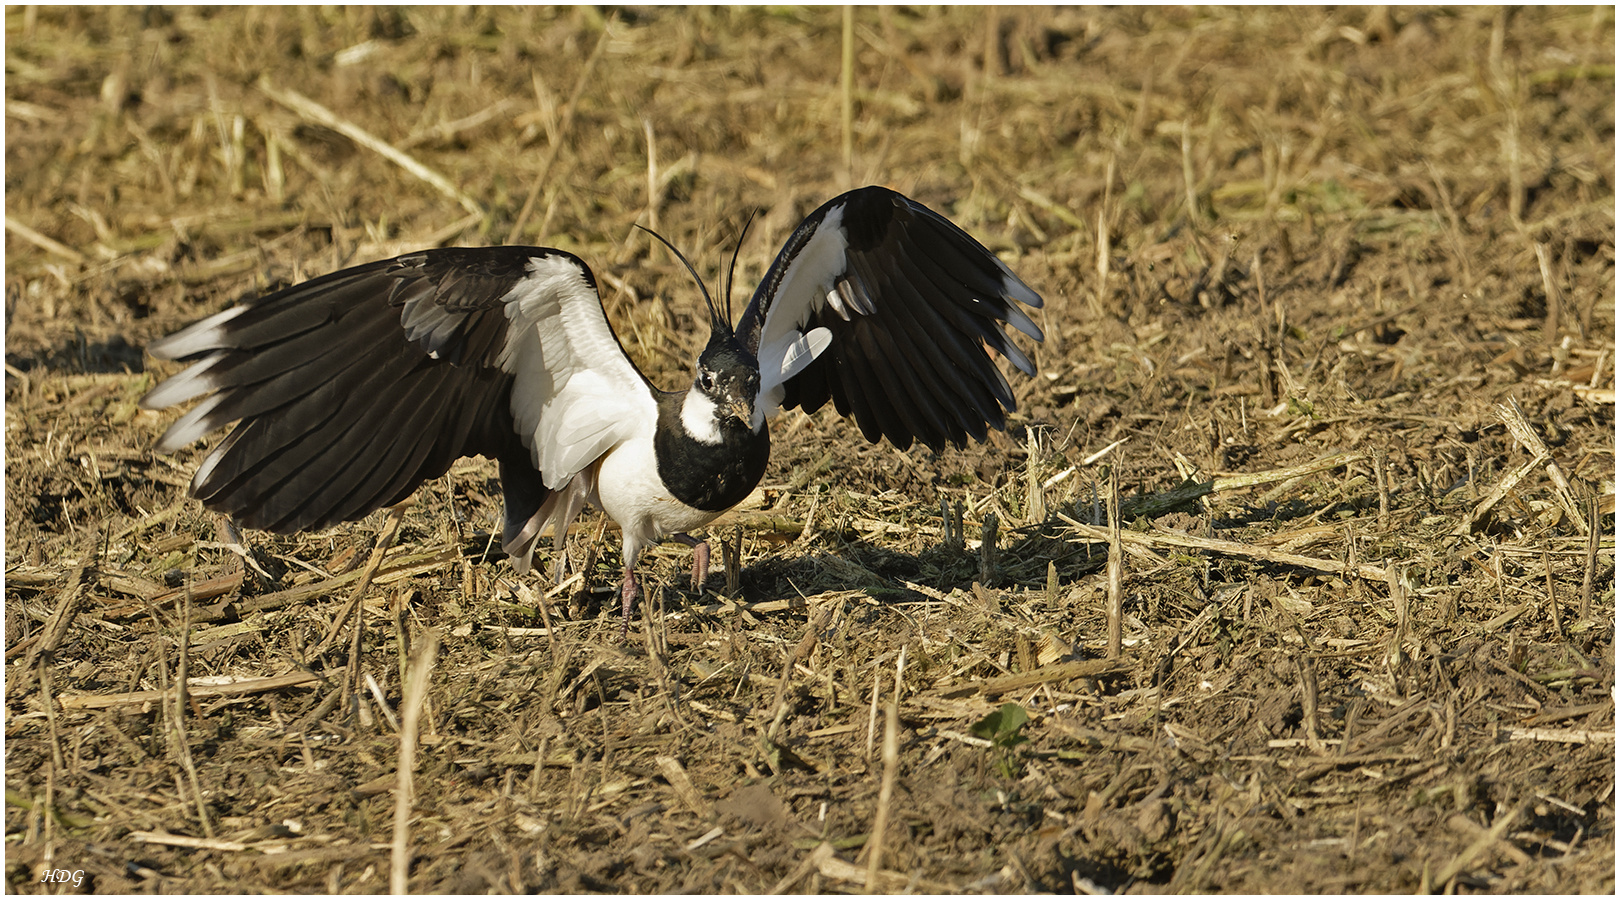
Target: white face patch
[{"x": 699, "y": 416}]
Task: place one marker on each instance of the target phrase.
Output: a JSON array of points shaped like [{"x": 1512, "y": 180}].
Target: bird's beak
[{"x": 742, "y": 409}]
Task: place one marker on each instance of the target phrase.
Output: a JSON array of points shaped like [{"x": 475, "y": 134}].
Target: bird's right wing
[{"x": 355, "y": 387}]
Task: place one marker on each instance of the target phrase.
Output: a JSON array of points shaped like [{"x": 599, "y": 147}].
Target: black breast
[{"x": 710, "y": 477}]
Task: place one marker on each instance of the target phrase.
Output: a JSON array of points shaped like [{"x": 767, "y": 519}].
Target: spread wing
[
  {"x": 883, "y": 306},
  {"x": 354, "y": 388}
]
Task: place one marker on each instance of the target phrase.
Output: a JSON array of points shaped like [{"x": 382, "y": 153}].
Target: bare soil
[{"x": 1267, "y": 238}]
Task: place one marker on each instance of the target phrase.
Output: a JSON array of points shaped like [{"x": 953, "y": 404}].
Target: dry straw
[{"x": 417, "y": 679}]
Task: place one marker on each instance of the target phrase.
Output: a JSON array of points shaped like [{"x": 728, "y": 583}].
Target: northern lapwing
[{"x": 355, "y": 387}]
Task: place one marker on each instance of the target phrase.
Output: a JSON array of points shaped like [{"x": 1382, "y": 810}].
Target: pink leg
[
  {"x": 700, "y": 559},
  {"x": 628, "y": 592}
]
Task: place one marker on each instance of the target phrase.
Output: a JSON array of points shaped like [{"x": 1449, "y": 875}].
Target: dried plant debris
[{"x": 1330, "y": 317}]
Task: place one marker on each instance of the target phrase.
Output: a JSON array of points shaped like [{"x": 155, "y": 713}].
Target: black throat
[{"x": 710, "y": 477}]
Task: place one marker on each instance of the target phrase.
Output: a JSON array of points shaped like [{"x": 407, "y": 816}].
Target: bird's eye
[{"x": 706, "y": 379}]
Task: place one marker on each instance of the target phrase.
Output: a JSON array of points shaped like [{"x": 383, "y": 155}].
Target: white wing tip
[
  {"x": 188, "y": 428},
  {"x": 197, "y": 337},
  {"x": 1014, "y": 288},
  {"x": 1017, "y": 319},
  {"x": 193, "y": 381}
]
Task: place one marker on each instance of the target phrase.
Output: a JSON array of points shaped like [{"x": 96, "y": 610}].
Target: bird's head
[
  {"x": 725, "y": 388},
  {"x": 728, "y": 377}
]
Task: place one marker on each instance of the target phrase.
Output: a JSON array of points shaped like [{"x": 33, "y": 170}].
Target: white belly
[{"x": 631, "y": 493}]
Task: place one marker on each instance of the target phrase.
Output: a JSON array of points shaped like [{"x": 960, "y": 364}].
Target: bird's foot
[
  {"x": 629, "y": 591},
  {"x": 700, "y": 560}
]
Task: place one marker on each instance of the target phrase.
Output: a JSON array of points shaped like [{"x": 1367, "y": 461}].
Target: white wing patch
[
  {"x": 804, "y": 350},
  {"x": 577, "y": 395},
  {"x": 800, "y": 352},
  {"x": 808, "y": 286}
]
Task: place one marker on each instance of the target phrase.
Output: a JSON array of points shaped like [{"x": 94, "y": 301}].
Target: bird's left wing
[
  {"x": 355, "y": 387},
  {"x": 885, "y": 307}
]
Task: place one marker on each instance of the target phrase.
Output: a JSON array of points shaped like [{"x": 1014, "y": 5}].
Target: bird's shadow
[
  {"x": 1026, "y": 557},
  {"x": 81, "y": 356},
  {"x": 885, "y": 574}
]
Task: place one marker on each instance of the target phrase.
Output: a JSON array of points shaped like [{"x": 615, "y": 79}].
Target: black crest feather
[{"x": 717, "y": 322}]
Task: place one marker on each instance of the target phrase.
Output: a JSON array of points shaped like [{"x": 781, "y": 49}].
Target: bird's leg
[
  {"x": 700, "y": 559},
  {"x": 629, "y": 591},
  {"x": 559, "y": 556}
]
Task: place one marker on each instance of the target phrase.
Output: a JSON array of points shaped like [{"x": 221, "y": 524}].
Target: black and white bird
[{"x": 355, "y": 387}]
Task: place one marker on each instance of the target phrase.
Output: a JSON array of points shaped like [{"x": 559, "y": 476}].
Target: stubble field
[{"x": 1330, "y": 324}]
